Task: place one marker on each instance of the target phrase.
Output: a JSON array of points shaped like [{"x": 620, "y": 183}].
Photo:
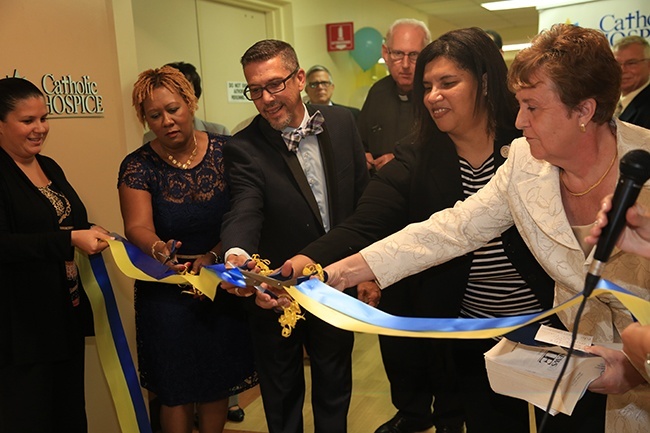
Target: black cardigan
[{"x": 37, "y": 320}]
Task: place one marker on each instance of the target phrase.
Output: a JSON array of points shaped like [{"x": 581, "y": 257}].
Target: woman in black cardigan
[{"x": 43, "y": 305}]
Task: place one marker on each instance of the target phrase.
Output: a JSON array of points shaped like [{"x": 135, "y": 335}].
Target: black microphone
[{"x": 634, "y": 172}]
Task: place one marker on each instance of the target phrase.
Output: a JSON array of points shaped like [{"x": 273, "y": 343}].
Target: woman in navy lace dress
[{"x": 173, "y": 195}]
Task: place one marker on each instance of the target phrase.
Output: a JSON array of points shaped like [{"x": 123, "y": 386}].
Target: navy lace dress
[{"x": 189, "y": 350}]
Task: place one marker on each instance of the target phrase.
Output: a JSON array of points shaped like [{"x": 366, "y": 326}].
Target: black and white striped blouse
[{"x": 494, "y": 287}]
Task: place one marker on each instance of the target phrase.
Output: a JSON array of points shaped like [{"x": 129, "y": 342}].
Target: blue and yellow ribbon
[
  {"x": 325, "y": 302},
  {"x": 345, "y": 312},
  {"x": 112, "y": 346}
]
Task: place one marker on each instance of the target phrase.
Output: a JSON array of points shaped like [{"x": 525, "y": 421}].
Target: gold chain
[
  {"x": 598, "y": 182},
  {"x": 189, "y": 160}
]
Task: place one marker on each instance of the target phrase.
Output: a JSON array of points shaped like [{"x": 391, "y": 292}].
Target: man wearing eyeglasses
[
  {"x": 294, "y": 172},
  {"x": 386, "y": 117},
  {"x": 320, "y": 88},
  {"x": 633, "y": 54}
]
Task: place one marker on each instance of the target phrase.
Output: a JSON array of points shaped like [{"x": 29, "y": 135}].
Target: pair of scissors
[
  {"x": 275, "y": 280},
  {"x": 245, "y": 278},
  {"x": 172, "y": 253}
]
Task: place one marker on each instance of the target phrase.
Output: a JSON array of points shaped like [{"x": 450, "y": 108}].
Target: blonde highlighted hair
[{"x": 168, "y": 77}]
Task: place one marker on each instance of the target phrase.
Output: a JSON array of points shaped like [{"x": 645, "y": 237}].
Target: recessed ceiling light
[
  {"x": 539, "y": 4},
  {"x": 515, "y": 47}
]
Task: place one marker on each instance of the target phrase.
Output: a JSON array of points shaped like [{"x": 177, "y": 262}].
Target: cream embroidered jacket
[{"x": 525, "y": 192}]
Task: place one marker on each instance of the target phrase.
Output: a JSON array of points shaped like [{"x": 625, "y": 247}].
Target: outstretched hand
[
  {"x": 91, "y": 241},
  {"x": 239, "y": 261},
  {"x": 369, "y": 293},
  {"x": 280, "y": 298}
]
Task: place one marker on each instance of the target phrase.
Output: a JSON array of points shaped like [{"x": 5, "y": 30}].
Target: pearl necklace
[
  {"x": 598, "y": 182},
  {"x": 189, "y": 160}
]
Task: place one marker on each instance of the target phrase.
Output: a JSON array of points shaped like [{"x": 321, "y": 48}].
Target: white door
[{"x": 225, "y": 33}]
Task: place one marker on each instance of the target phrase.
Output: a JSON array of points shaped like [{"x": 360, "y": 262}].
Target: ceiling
[{"x": 514, "y": 26}]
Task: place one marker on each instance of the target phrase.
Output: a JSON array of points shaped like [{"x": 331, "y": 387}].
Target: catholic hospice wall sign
[{"x": 68, "y": 97}]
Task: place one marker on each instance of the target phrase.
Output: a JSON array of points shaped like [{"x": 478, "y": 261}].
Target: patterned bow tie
[{"x": 313, "y": 127}]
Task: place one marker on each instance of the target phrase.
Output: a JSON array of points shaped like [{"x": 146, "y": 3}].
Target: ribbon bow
[{"x": 313, "y": 127}]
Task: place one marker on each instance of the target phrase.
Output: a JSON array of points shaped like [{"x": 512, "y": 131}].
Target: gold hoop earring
[{"x": 583, "y": 128}]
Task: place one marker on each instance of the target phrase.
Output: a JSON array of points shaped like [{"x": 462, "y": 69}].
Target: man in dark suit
[
  {"x": 285, "y": 194},
  {"x": 320, "y": 88},
  {"x": 633, "y": 54}
]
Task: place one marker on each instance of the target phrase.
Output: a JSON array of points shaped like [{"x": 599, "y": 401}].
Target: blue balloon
[{"x": 367, "y": 47}]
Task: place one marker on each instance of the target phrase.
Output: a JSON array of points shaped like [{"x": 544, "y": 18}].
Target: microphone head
[{"x": 635, "y": 165}]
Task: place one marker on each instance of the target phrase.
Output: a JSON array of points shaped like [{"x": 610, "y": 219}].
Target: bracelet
[
  {"x": 217, "y": 257},
  {"x": 153, "y": 248}
]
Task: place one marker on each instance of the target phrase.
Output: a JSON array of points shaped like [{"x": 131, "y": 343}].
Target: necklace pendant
[{"x": 187, "y": 164}]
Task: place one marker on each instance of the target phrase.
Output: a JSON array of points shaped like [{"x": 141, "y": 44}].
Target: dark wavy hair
[
  {"x": 579, "y": 63},
  {"x": 14, "y": 90},
  {"x": 472, "y": 50}
]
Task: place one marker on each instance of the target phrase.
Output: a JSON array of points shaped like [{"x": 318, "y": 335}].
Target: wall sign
[
  {"x": 236, "y": 91},
  {"x": 615, "y": 18},
  {"x": 68, "y": 97},
  {"x": 340, "y": 36}
]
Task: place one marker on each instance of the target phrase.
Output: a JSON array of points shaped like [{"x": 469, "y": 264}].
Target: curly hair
[
  {"x": 579, "y": 63},
  {"x": 168, "y": 77}
]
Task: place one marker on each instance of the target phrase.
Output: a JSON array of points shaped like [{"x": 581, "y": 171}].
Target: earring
[{"x": 583, "y": 128}]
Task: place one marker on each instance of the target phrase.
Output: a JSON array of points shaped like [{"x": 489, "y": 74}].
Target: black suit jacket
[
  {"x": 37, "y": 321},
  {"x": 273, "y": 210},
  {"x": 638, "y": 111},
  {"x": 423, "y": 179},
  {"x": 355, "y": 111}
]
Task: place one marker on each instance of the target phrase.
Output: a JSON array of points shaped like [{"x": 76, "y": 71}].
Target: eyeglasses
[
  {"x": 631, "y": 63},
  {"x": 397, "y": 55},
  {"x": 315, "y": 84},
  {"x": 256, "y": 92}
]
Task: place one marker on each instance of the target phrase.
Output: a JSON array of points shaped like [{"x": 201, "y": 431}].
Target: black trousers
[
  {"x": 44, "y": 398},
  {"x": 418, "y": 369},
  {"x": 280, "y": 366}
]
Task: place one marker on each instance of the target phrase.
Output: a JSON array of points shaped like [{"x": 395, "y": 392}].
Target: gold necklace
[
  {"x": 598, "y": 182},
  {"x": 189, "y": 160}
]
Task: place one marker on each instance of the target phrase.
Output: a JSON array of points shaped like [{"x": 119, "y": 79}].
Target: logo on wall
[
  {"x": 70, "y": 98},
  {"x": 617, "y": 26},
  {"x": 67, "y": 97}
]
